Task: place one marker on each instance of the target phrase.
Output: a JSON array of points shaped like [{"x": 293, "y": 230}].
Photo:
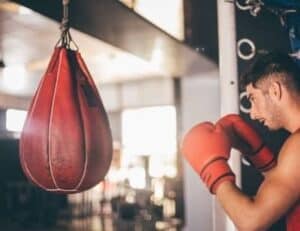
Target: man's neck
[{"x": 292, "y": 116}]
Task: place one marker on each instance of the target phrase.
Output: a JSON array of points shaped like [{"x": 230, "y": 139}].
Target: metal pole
[{"x": 228, "y": 92}]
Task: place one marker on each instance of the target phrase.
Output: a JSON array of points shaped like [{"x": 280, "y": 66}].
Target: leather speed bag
[{"x": 66, "y": 142}]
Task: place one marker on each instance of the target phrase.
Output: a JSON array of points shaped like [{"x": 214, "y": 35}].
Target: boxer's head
[{"x": 272, "y": 85}]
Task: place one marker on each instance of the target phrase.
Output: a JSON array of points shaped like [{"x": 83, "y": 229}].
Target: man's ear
[{"x": 275, "y": 90}]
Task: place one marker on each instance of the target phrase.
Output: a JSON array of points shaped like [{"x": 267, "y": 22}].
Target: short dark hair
[{"x": 273, "y": 63}]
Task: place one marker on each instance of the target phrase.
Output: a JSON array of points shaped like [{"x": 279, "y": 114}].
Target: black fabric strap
[
  {"x": 219, "y": 178},
  {"x": 210, "y": 162},
  {"x": 257, "y": 150},
  {"x": 266, "y": 166}
]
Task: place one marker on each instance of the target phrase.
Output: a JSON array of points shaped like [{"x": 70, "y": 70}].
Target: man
[{"x": 273, "y": 88}]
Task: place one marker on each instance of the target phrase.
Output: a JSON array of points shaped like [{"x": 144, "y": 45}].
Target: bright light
[
  {"x": 170, "y": 171},
  {"x": 15, "y": 120},
  {"x": 137, "y": 177},
  {"x": 156, "y": 167},
  {"x": 157, "y": 53},
  {"x": 149, "y": 131},
  {"x": 159, "y": 167},
  {"x": 158, "y": 189},
  {"x": 166, "y": 14},
  {"x": 14, "y": 78}
]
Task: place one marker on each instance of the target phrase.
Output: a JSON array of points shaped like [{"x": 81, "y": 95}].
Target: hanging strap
[
  {"x": 66, "y": 38},
  {"x": 65, "y": 20}
]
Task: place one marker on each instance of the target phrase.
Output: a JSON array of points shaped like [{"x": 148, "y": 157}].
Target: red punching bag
[{"x": 66, "y": 143}]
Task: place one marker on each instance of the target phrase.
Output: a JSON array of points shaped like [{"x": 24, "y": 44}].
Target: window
[
  {"x": 150, "y": 132},
  {"x": 15, "y": 120},
  {"x": 166, "y": 14}
]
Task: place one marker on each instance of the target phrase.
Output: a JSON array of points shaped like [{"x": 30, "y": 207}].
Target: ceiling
[{"x": 27, "y": 40}]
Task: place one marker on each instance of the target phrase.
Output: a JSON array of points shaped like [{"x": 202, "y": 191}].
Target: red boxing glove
[
  {"x": 244, "y": 138},
  {"x": 207, "y": 147}
]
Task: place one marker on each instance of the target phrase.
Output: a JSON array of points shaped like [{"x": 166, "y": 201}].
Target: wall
[
  {"x": 200, "y": 101},
  {"x": 134, "y": 94}
]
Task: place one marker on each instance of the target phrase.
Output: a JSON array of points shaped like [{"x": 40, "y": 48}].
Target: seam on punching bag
[
  {"x": 84, "y": 69},
  {"x": 50, "y": 119},
  {"x": 74, "y": 69},
  {"x": 88, "y": 79},
  {"x": 100, "y": 105},
  {"x": 88, "y": 91},
  {"x": 32, "y": 108},
  {"x": 24, "y": 163},
  {"x": 84, "y": 143}
]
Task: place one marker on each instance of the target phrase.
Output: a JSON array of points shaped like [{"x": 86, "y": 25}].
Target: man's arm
[{"x": 279, "y": 191}]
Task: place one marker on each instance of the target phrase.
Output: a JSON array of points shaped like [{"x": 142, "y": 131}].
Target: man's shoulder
[
  {"x": 290, "y": 150},
  {"x": 288, "y": 163},
  {"x": 293, "y": 140}
]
